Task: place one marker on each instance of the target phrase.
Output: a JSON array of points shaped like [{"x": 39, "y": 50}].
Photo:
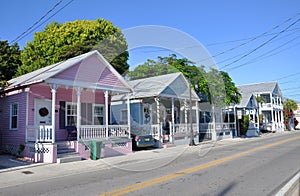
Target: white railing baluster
[{"x": 99, "y": 131}]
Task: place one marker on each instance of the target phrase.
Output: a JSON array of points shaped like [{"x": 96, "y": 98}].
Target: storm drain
[{"x": 27, "y": 172}]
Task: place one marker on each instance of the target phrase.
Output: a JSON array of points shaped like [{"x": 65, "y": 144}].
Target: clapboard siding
[
  {"x": 91, "y": 70},
  {"x": 136, "y": 113},
  {"x": 13, "y": 136},
  {"x": 109, "y": 79}
]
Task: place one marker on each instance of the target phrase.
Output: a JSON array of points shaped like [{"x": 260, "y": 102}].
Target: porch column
[
  {"x": 272, "y": 117},
  {"x": 158, "y": 119},
  {"x": 78, "y": 122},
  {"x": 282, "y": 118},
  {"x": 185, "y": 117},
  {"x": 185, "y": 111},
  {"x": 197, "y": 118},
  {"x": 234, "y": 115},
  {"x": 106, "y": 113},
  {"x": 53, "y": 91},
  {"x": 128, "y": 115},
  {"x": 257, "y": 116},
  {"x": 173, "y": 123}
]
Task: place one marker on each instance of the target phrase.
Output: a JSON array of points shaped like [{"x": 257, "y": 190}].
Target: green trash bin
[{"x": 96, "y": 147}]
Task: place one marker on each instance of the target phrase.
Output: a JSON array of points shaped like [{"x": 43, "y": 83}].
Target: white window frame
[
  {"x": 74, "y": 115},
  {"x": 101, "y": 115},
  {"x": 14, "y": 115},
  {"x": 124, "y": 120}
]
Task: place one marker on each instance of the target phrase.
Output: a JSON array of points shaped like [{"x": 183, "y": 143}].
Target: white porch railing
[
  {"x": 216, "y": 126},
  {"x": 91, "y": 132},
  {"x": 266, "y": 106},
  {"x": 157, "y": 132},
  {"x": 99, "y": 131},
  {"x": 44, "y": 132},
  {"x": 178, "y": 130},
  {"x": 41, "y": 133},
  {"x": 31, "y": 132},
  {"x": 184, "y": 129},
  {"x": 118, "y": 130},
  {"x": 220, "y": 130}
]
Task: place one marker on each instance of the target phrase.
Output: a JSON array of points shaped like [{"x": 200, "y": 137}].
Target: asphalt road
[{"x": 258, "y": 166}]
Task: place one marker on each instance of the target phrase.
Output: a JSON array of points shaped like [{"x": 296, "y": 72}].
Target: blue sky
[{"x": 218, "y": 25}]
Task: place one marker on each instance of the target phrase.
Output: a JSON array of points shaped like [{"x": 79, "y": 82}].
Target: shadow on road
[{"x": 227, "y": 189}]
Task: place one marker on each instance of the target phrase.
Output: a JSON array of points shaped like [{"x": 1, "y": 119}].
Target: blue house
[{"x": 159, "y": 102}]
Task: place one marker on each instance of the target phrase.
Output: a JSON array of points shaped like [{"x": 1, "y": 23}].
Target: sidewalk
[
  {"x": 14, "y": 175},
  {"x": 9, "y": 161}
]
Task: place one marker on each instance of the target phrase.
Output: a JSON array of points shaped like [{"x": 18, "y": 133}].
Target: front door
[{"x": 43, "y": 112}]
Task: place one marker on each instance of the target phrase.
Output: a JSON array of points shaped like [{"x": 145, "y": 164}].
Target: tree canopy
[
  {"x": 210, "y": 83},
  {"x": 232, "y": 93},
  {"x": 290, "y": 105},
  {"x": 58, "y": 42},
  {"x": 9, "y": 61}
]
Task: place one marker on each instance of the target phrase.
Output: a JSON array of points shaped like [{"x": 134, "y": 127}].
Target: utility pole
[{"x": 192, "y": 142}]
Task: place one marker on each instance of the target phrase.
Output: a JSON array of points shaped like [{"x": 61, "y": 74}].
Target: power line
[
  {"x": 48, "y": 19},
  {"x": 243, "y": 39},
  {"x": 288, "y": 76},
  {"x": 260, "y": 46},
  {"x": 218, "y": 43},
  {"x": 220, "y": 62},
  {"x": 268, "y": 53},
  {"x": 247, "y": 42},
  {"x": 290, "y": 88},
  {"x": 251, "y": 40},
  {"x": 289, "y": 81},
  {"x": 20, "y": 36}
]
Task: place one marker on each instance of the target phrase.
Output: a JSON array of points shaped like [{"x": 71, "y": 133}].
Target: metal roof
[
  {"x": 259, "y": 88},
  {"x": 246, "y": 97},
  {"x": 169, "y": 85},
  {"x": 46, "y": 73}
]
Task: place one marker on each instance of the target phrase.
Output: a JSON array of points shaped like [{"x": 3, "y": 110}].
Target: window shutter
[{"x": 62, "y": 114}]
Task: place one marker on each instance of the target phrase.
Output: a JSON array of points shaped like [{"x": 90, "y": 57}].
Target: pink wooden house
[{"x": 38, "y": 109}]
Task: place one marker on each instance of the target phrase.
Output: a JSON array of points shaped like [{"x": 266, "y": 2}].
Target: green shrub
[{"x": 244, "y": 124}]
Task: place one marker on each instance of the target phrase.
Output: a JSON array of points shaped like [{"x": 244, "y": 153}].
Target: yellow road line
[{"x": 172, "y": 176}]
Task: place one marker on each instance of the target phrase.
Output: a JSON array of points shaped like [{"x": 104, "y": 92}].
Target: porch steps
[{"x": 66, "y": 153}]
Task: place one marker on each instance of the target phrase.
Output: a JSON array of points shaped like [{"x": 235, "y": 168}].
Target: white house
[{"x": 271, "y": 106}]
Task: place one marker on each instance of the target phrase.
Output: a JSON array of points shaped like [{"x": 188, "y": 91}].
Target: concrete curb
[
  {"x": 32, "y": 165},
  {"x": 291, "y": 187}
]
